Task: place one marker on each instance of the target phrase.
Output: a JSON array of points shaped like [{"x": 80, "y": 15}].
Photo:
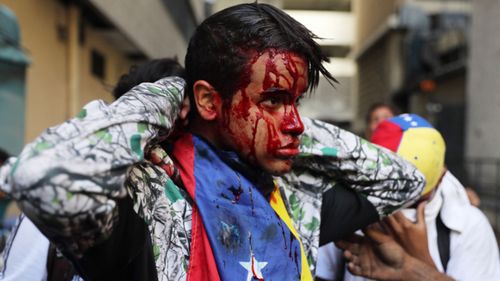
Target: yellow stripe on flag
[{"x": 279, "y": 207}]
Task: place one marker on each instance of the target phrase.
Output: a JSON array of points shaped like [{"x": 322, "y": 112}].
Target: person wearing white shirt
[{"x": 465, "y": 249}]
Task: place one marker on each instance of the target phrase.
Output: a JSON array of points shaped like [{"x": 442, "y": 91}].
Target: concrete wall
[
  {"x": 333, "y": 103},
  {"x": 370, "y": 15},
  {"x": 91, "y": 87},
  {"x": 147, "y": 24},
  {"x": 380, "y": 74},
  {"x": 483, "y": 97},
  {"x": 335, "y": 28}
]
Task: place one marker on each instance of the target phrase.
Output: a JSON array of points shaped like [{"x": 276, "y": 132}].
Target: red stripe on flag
[
  {"x": 202, "y": 264},
  {"x": 183, "y": 156}
]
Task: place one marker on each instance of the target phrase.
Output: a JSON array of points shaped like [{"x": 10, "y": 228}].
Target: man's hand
[
  {"x": 376, "y": 256},
  {"x": 473, "y": 197},
  {"x": 411, "y": 236}
]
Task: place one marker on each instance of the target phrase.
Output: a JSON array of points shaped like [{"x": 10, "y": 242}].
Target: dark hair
[
  {"x": 224, "y": 43},
  {"x": 3, "y": 156},
  {"x": 149, "y": 71},
  {"x": 394, "y": 110}
]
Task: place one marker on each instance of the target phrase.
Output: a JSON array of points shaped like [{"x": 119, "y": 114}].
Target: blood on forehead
[
  {"x": 274, "y": 77},
  {"x": 282, "y": 69}
]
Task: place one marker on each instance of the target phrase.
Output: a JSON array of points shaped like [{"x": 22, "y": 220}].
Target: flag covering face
[
  {"x": 249, "y": 233},
  {"x": 413, "y": 138}
]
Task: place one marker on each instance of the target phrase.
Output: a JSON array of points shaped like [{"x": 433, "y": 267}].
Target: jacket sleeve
[
  {"x": 335, "y": 155},
  {"x": 69, "y": 180}
]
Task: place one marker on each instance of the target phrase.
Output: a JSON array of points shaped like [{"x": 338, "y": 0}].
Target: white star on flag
[{"x": 254, "y": 268}]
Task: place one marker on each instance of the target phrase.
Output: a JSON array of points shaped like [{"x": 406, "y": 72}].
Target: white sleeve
[
  {"x": 474, "y": 252},
  {"x": 330, "y": 262},
  {"x": 25, "y": 255}
]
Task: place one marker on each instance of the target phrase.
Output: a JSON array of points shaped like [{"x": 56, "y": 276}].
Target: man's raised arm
[
  {"x": 70, "y": 179},
  {"x": 340, "y": 183},
  {"x": 388, "y": 181}
]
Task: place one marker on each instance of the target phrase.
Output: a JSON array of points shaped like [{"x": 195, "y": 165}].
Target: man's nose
[{"x": 292, "y": 123}]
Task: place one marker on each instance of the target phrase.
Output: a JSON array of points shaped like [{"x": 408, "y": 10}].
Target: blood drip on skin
[
  {"x": 242, "y": 109},
  {"x": 273, "y": 141}
]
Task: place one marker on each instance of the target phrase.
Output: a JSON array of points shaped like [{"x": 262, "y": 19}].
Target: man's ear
[{"x": 206, "y": 99}]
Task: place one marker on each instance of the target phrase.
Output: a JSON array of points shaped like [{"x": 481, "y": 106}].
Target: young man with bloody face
[
  {"x": 249, "y": 185},
  {"x": 261, "y": 121}
]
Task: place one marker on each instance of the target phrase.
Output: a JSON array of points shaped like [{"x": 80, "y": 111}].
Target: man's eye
[{"x": 273, "y": 102}]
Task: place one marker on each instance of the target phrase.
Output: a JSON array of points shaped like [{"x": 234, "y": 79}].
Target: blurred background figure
[
  {"x": 3, "y": 156},
  {"x": 377, "y": 113},
  {"x": 4, "y": 202},
  {"x": 150, "y": 71},
  {"x": 445, "y": 232}
]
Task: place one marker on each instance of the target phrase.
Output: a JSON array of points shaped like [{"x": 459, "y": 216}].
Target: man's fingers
[
  {"x": 401, "y": 219},
  {"x": 354, "y": 268},
  {"x": 376, "y": 235},
  {"x": 421, "y": 213},
  {"x": 348, "y": 246},
  {"x": 348, "y": 255},
  {"x": 393, "y": 224}
]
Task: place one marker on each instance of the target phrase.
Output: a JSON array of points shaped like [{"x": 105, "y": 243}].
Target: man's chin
[{"x": 278, "y": 168}]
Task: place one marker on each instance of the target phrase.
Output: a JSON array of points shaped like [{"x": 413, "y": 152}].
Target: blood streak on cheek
[
  {"x": 259, "y": 117},
  {"x": 273, "y": 137},
  {"x": 241, "y": 109}
]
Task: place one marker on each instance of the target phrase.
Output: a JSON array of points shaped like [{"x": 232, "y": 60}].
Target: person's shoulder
[
  {"x": 476, "y": 226},
  {"x": 475, "y": 217}
]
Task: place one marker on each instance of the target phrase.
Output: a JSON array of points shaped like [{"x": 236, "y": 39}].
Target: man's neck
[{"x": 206, "y": 130}]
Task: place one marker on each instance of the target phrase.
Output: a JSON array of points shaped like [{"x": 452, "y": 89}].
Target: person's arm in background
[
  {"x": 70, "y": 180},
  {"x": 412, "y": 236},
  {"x": 378, "y": 256}
]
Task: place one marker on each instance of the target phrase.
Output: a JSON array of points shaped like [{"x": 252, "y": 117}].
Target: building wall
[
  {"x": 46, "y": 99},
  {"x": 370, "y": 15},
  {"x": 91, "y": 87},
  {"x": 380, "y": 75},
  {"x": 483, "y": 98},
  {"x": 43, "y": 23},
  {"x": 147, "y": 24}
]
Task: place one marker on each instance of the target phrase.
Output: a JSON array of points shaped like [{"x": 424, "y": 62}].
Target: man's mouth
[{"x": 288, "y": 151}]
